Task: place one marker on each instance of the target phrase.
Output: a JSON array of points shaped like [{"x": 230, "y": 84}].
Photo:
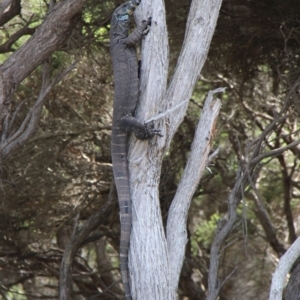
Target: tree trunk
[{"x": 156, "y": 259}]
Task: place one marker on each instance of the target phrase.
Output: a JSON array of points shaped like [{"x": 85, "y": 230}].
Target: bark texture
[
  {"x": 197, "y": 162},
  {"x": 149, "y": 245},
  {"x": 285, "y": 264},
  {"x": 126, "y": 90},
  {"x": 292, "y": 291}
]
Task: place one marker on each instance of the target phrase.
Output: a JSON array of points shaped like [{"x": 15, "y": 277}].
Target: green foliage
[
  {"x": 32, "y": 15},
  {"x": 204, "y": 233},
  {"x": 16, "y": 293}
]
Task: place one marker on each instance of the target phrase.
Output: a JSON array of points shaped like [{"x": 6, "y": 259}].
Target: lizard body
[{"x": 126, "y": 90}]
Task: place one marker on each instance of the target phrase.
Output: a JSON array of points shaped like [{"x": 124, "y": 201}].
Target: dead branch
[
  {"x": 197, "y": 162},
  {"x": 275, "y": 152},
  {"x": 247, "y": 173},
  {"x": 279, "y": 118}
]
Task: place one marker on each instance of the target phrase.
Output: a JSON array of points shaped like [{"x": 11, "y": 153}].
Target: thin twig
[
  {"x": 16, "y": 112},
  {"x": 228, "y": 277},
  {"x": 279, "y": 117},
  {"x": 274, "y": 152},
  {"x": 161, "y": 115},
  {"x": 213, "y": 155}
]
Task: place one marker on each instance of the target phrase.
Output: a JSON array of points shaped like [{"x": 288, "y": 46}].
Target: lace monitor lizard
[{"x": 126, "y": 90}]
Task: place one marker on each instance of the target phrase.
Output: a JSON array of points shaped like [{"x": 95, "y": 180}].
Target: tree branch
[
  {"x": 4, "y": 5},
  {"x": 279, "y": 118},
  {"x": 274, "y": 152},
  {"x": 248, "y": 170},
  {"x": 177, "y": 216},
  {"x": 285, "y": 264},
  {"x": 265, "y": 220},
  {"x": 6, "y": 47},
  {"x": 201, "y": 24},
  {"x": 224, "y": 227}
]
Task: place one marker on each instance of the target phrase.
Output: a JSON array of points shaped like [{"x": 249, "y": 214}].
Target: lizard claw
[
  {"x": 157, "y": 132},
  {"x": 152, "y": 131},
  {"x": 146, "y": 24}
]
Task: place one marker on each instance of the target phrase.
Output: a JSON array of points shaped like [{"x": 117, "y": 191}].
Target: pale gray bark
[
  {"x": 292, "y": 290},
  {"x": 284, "y": 266},
  {"x": 196, "y": 164},
  {"x": 153, "y": 275}
]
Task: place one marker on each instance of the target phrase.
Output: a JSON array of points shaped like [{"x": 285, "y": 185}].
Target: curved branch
[
  {"x": 274, "y": 152},
  {"x": 285, "y": 264},
  {"x": 7, "y": 46},
  {"x": 201, "y": 25}
]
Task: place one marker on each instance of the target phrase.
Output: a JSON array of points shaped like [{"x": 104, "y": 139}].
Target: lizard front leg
[
  {"x": 141, "y": 131},
  {"x": 138, "y": 33}
]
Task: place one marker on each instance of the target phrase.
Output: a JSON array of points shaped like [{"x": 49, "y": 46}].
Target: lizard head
[{"x": 120, "y": 21}]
